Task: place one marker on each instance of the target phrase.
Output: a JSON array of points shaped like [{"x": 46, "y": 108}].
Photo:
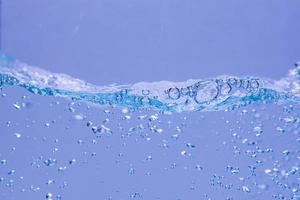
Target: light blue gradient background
[{"x": 126, "y": 41}]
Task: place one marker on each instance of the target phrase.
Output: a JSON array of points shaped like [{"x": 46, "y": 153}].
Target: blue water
[
  {"x": 64, "y": 138},
  {"x": 220, "y": 93}
]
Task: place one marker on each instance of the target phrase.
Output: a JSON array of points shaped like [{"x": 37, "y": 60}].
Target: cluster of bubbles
[
  {"x": 220, "y": 93},
  {"x": 207, "y": 91}
]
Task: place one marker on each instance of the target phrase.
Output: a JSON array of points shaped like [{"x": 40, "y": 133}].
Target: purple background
[
  {"x": 117, "y": 41},
  {"x": 128, "y": 41}
]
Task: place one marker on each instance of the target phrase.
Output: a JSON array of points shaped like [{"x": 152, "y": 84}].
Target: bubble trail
[{"x": 220, "y": 93}]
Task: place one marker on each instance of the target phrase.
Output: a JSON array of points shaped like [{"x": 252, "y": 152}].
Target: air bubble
[
  {"x": 50, "y": 162},
  {"x": 174, "y": 93},
  {"x": 245, "y": 189},
  {"x": 18, "y": 135},
  {"x": 3, "y": 162},
  {"x": 49, "y": 196},
  {"x": 254, "y": 85},
  {"x": 207, "y": 91},
  {"x": 224, "y": 87},
  {"x": 11, "y": 172},
  {"x": 17, "y": 106},
  {"x": 145, "y": 92}
]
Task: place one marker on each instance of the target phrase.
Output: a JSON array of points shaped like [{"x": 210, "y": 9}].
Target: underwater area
[
  {"x": 232, "y": 137},
  {"x": 160, "y": 100}
]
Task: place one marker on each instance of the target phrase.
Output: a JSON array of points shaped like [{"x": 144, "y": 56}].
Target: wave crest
[{"x": 220, "y": 93}]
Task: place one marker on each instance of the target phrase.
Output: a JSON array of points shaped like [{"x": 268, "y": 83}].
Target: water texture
[
  {"x": 220, "y": 93},
  {"x": 146, "y": 140}
]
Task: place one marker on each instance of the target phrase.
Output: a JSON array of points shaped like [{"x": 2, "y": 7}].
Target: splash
[{"x": 220, "y": 93}]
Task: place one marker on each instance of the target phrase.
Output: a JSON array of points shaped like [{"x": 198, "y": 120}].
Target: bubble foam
[{"x": 220, "y": 93}]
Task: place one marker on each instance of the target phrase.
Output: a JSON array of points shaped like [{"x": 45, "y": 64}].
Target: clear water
[{"x": 220, "y": 138}]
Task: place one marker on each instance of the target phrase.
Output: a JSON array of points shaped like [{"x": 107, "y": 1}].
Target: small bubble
[
  {"x": 245, "y": 189},
  {"x": 131, "y": 171},
  {"x": 78, "y": 117},
  {"x": 142, "y": 117},
  {"x": 145, "y": 92},
  {"x": 158, "y": 130},
  {"x": 34, "y": 189},
  {"x": 71, "y": 109},
  {"x": 50, "y": 162},
  {"x": 106, "y": 111},
  {"x": 18, "y": 135},
  {"x": 89, "y": 123},
  {"x": 279, "y": 129},
  {"x": 173, "y": 93},
  {"x": 11, "y": 172},
  {"x": 257, "y": 129},
  {"x": 127, "y": 117},
  {"x": 47, "y": 125},
  {"x": 63, "y": 185},
  {"x": 290, "y": 119},
  {"x": 199, "y": 168},
  {"x": 17, "y": 106},
  {"x": 61, "y": 169},
  {"x": 95, "y": 129},
  {"x": 183, "y": 153},
  {"x": 149, "y": 158},
  {"x": 178, "y": 129},
  {"x": 268, "y": 171},
  {"x": 3, "y": 162},
  {"x": 189, "y": 145},
  {"x": 263, "y": 186},
  {"x": 153, "y": 118},
  {"x": 286, "y": 152},
  {"x": 49, "y": 182},
  {"x": 125, "y": 110},
  {"x": 72, "y": 161},
  {"x": 175, "y": 136},
  {"x": 49, "y": 196}
]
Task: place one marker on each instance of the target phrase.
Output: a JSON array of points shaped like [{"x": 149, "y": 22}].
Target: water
[
  {"x": 221, "y": 138},
  {"x": 221, "y": 93}
]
